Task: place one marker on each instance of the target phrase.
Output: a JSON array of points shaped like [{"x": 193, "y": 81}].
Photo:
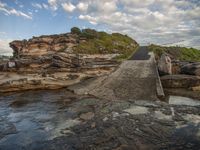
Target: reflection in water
[
  {"x": 53, "y": 117},
  {"x": 36, "y": 115}
]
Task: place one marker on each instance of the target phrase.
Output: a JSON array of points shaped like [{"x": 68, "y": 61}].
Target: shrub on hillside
[
  {"x": 89, "y": 33},
  {"x": 75, "y": 30}
]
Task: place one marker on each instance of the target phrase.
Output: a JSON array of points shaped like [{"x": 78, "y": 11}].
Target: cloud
[
  {"x": 68, "y": 7},
  {"x": 92, "y": 20},
  {"x": 53, "y": 4},
  {"x": 82, "y": 6},
  {"x": 148, "y": 21},
  {"x": 45, "y": 6},
  {"x": 2, "y": 33},
  {"x": 37, "y": 5},
  {"x": 11, "y": 11},
  {"x": 4, "y": 47},
  {"x": 40, "y": 6}
]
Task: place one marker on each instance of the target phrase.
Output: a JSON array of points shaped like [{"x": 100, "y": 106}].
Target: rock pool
[{"x": 59, "y": 119}]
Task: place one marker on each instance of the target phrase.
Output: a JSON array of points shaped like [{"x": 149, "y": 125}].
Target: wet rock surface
[{"x": 62, "y": 120}]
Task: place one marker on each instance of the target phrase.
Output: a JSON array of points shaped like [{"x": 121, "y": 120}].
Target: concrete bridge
[{"x": 135, "y": 79}]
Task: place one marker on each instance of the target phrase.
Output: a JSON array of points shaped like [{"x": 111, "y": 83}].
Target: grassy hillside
[
  {"x": 93, "y": 42},
  {"x": 180, "y": 53}
]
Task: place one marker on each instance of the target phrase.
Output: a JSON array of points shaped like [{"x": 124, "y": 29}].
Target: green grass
[
  {"x": 104, "y": 43},
  {"x": 180, "y": 53}
]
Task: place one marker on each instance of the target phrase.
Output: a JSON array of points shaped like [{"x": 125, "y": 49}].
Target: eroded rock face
[
  {"x": 180, "y": 81},
  {"x": 164, "y": 65},
  {"x": 38, "y": 46},
  {"x": 191, "y": 69}
]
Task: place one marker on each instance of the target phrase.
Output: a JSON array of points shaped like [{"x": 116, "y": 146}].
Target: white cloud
[
  {"x": 40, "y": 6},
  {"x": 2, "y": 33},
  {"x": 11, "y": 11},
  {"x": 82, "y": 6},
  {"x": 92, "y": 20},
  {"x": 149, "y": 21},
  {"x": 68, "y": 7},
  {"x": 3, "y": 4},
  {"x": 4, "y": 47},
  {"x": 53, "y": 4},
  {"x": 37, "y": 5},
  {"x": 45, "y": 6}
]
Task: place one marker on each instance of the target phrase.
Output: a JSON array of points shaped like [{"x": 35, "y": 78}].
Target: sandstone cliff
[
  {"x": 55, "y": 61},
  {"x": 43, "y": 45},
  {"x": 87, "y": 41}
]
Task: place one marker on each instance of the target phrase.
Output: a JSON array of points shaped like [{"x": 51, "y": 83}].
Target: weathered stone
[
  {"x": 164, "y": 65},
  {"x": 196, "y": 88},
  {"x": 43, "y": 45},
  {"x": 87, "y": 116},
  {"x": 191, "y": 69},
  {"x": 176, "y": 67},
  {"x": 180, "y": 81}
]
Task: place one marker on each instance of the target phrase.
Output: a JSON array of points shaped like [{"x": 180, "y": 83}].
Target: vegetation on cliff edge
[
  {"x": 94, "y": 42},
  {"x": 179, "y": 53}
]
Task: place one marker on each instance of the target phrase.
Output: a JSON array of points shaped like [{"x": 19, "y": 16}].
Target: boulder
[
  {"x": 191, "y": 69},
  {"x": 164, "y": 65}
]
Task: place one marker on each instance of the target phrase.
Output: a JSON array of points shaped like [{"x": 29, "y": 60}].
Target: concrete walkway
[
  {"x": 141, "y": 54},
  {"x": 135, "y": 79}
]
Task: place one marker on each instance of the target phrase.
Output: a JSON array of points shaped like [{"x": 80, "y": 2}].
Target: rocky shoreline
[
  {"x": 68, "y": 117},
  {"x": 51, "y": 62},
  {"x": 180, "y": 78},
  {"x": 62, "y": 120}
]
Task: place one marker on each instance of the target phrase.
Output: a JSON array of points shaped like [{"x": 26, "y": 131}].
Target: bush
[
  {"x": 180, "y": 53},
  {"x": 104, "y": 43},
  {"x": 89, "y": 33},
  {"x": 75, "y": 30}
]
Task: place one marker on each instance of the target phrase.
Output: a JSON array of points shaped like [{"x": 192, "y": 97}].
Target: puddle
[
  {"x": 137, "y": 110},
  {"x": 178, "y": 100},
  {"x": 187, "y": 136},
  {"x": 62, "y": 128}
]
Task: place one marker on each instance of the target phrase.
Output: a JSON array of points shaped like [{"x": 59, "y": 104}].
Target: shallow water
[
  {"x": 35, "y": 116},
  {"x": 178, "y": 100},
  {"x": 49, "y": 118}
]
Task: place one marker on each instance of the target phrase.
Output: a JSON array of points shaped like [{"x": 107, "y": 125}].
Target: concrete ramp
[{"x": 133, "y": 80}]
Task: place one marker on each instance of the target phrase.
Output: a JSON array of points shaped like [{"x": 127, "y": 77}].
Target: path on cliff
[{"x": 135, "y": 79}]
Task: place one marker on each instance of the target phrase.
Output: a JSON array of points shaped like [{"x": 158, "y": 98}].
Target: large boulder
[
  {"x": 164, "y": 65},
  {"x": 191, "y": 69}
]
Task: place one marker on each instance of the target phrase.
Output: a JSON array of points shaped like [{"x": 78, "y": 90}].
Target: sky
[{"x": 165, "y": 22}]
